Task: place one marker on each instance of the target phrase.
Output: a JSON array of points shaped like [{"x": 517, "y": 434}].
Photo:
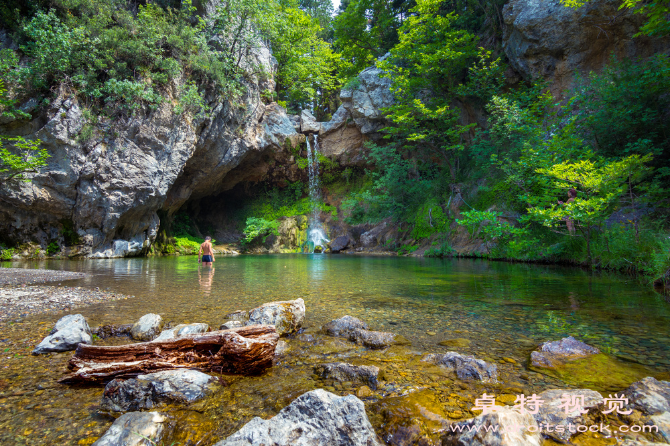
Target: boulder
[
  {"x": 231, "y": 324},
  {"x": 308, "y": 123},
  {"x": 239, "y": 315},
  {"x": 111, "y": 330},
  {"x": 370, "y": 239},
  {"x": 67, "y": 334},
  {"x": 344, "y": 326},
  {"x": 314, "y": 418},
  {"x": 279, "y": 128},
  {"x": 145, "y": 392},
  {"x": 377, "y": 339},
  {"x": 649, "y": 396},
  {"x": 341, "y": 371},
  {"x": 554, "y": 354},
  {"x": 286, "y": 316},
  {"x": 340, "y": 243},
  {"x": 504, "y": 427},
  {"x": 365, "y": 101},
  {"x": 551, "y": 412},
  {"x": 466, "y": 367},
  {"x": 133, "y": 429},
  {"x": 147, "y": 328},
  {"x": 662, "y": 421},
  {"x": 182, "y": 330}
]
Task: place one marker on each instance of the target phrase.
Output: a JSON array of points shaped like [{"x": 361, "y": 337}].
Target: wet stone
[
  {"x": 239, "y": 315},
  {"x": 486, "y": 430},
  {"x": 231, "y": 324},
  {"x": 147, "y": 328},
  {"x": 344, "y": 372},
  {"x": 182, "y": 330},
  {"x": 343, "y": 326},
  {"x": 377, "y": 339},
  {"x": 67, "y": 334},
  {"x": 649, "y": 395},
  {"x": 552, "y": 411},
  {"x": 133, "y": 428},
  {"x": 109, "y": 331},
  {"x": 455, "y": 343},
  {"x": 466, "y": 367},
  {"x": 554, "y": 354},
  {"x": 286, "y": 316}
]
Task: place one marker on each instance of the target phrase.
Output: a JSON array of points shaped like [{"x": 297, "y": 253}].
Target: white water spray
[{"x": 316, "y": 236}]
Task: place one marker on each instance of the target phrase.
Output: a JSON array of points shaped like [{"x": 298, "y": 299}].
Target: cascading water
[{"x": 316, "y": 235}]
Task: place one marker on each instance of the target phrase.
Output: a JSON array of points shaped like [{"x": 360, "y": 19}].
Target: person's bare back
[{"x": 207, "y": 252}]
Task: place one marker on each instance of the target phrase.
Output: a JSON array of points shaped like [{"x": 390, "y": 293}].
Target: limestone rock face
[
  {"x": 365, "y": 101},
  {"x": 132, "y": 428},
  {"x": 370, "y": 238},
  {"x": 148, "y": 391},
  {"x": 551, "y": 412},
  {"x": 314, "y": 418},
  {"x": 544, "y": 39},
  {"x": 286, "y": 316},
  {"x": 308, "y": 123},
  {"x": 340, "y": 243},
  {"x": 181, "y": 330},
  {"x": 67, "y": 334},
  {"x": 553, "y": 354},
  {"x": 506, "y": 427},
  {"x": 343, "y": 372},
  {"x": 466, "y": 367},
  {"x": 147, "y": 328},
  {"x": 343, "y": 326}
]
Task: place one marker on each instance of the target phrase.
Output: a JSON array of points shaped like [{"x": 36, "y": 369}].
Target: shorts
[{"x": 206, "y": 259}]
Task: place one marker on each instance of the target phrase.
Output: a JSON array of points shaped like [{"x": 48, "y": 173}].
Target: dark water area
[{"x": 495, "y": 311}]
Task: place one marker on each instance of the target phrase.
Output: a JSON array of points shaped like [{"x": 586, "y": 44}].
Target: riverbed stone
[
  {"x": 340, "y": 243},
  {"x": 286, "y": 316},
  {"x": 314, "y": 418},
  {"x": 182, "y": 330},
  {"x": 649, "y": 395},
  {"x": 147, "y": 328},
  {"x": 148, "y": 391},
  {"x": 504, "y": 427},
  {"x": 554, "y": 354},
  {"x": 132, "y": 429},
  {"x": 662, "y": 420},
  {"x": 239, "y": 315},
  {"x": 455, "y": 343},
  {"x": 377, "y": 339},
  {"x": 112, "y": 330},
  {"x": 67, "y": 334},
  {"x": 343, "y": 372},
  {"x": 552, "y": 410},
  {"x": 344, "y": 326},
  {"x": 230, "y": 325},
  {"x": 466, "y": 367}
]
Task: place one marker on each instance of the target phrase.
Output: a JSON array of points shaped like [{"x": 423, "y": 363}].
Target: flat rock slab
[
  {"x": 67, "y": 334},
  {"x": 466, "y": 367},
  {"x": 132, "y": 429},
  {"x": 553, "y": 412},
  {"x": 286, "y": 316},
  {"x": 147, "y": 328},
  {"x": 344, "y": 326},
  {"x": 148, "y": 391},
  {"x": 314, "y": 418},
  {"x": 21, "y": 276},
  {"x": 649, "y": 395},
  {"x": 487, "y": 430},
  {"x": 343, "y": 372},
  {"x": 554, "y": 354},
  {"x": 377, "y": 339},
  {"x": 182, "y": 330},
  {"x": 662, "y": 420}
]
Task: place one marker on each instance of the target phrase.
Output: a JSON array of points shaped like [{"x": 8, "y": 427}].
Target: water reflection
[{"x": 206, "y": 278}]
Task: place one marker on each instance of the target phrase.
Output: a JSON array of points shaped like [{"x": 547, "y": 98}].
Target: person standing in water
[
  {"x": 569, "y": 222},
  {"x": 206, "y": 252}
]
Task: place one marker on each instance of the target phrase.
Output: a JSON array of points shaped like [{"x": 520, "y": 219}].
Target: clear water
[{"x": 504, "y": 310}]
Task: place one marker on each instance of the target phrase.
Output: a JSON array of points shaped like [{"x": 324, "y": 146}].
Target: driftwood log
[{"x": 245, "y": 350}]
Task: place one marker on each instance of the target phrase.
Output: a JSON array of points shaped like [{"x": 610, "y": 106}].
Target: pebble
[
  {"x": 27, "y": 276},
  {"x": 431, "y": 333}
]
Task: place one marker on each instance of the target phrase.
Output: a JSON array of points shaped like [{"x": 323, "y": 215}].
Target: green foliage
[
  {"x": 188, "y": 244},
  {"x": 656, "y": 13},
  {"x": 430, "y": 219},
  {"x": 440, "y": 247},
  {"x": 52, "y": 248},
  {"x": 182, "y": 225},
  {"x": 407, "y": 249},
  {"x": 6, "y": 253},
  {"x": 69, "y": 234},
  {"x": 23, "y": 157},
  {"x": 256, "y": 227}
]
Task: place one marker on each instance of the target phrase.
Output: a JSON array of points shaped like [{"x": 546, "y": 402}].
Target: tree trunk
[{"x": 245, "y": 350}]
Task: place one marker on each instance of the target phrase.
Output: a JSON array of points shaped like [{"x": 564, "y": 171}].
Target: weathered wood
[{"x": 244, "y": 350}]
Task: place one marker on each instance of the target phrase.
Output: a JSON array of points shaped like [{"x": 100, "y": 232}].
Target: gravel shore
[{"x": 27, "y": 276}]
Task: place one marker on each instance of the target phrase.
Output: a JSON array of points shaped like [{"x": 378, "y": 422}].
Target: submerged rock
[
  {"x": 455, "y": 343},
  {"x": 344, "y": 326},
  {"x": 133, "y": 429},
  {"x": 230, "y": 325},
  {"x": 239, "y": 315},
  {"x": 553, "y": 412},
  {"x": 341, "y": 371},
  {"x": 286, "y": 316},
  {"x": 182, "y": 330},
  {"x": 147, "y": 328},
  {"x": 67, "y": 334},
  {"x": 466, "y": 367},
  {"x": 649, "y": 395},
  {"x": 554, "y": 354},
  {"x": 148, "y": 391},
  {"x": 314, "y": 418},
  {"x": 504, "y": 427},
  {"x": 111, "y": 330},
  {"x": 377, "y": 339}
]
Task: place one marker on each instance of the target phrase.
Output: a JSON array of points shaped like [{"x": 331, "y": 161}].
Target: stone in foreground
[
  {"x": 377, "y": 339},
  {"x": 314, "y": 418},
  {"x": 67, "y": 334},
  {"x": 344, "y": 326},
  {"x": 147, "y": 328},
  {"x": 466, "y": 367},
  {"x": 134, "y": 428},
  {"x": 148, "y": 391},
  {"x": 553, "y": 412},
  {"x": 286, "y": 316},
  {"x": 182, "y": 330},
  {"x": 649, "y": 395},
  {"x": 343, "y": 372},
  {"x": 554, "y": 354},
  {"x": 504, "y": 427},
  {"x": 239, "y": 315}
]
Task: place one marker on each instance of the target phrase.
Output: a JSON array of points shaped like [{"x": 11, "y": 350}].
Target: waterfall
[{"x": 316, "y": 235}]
